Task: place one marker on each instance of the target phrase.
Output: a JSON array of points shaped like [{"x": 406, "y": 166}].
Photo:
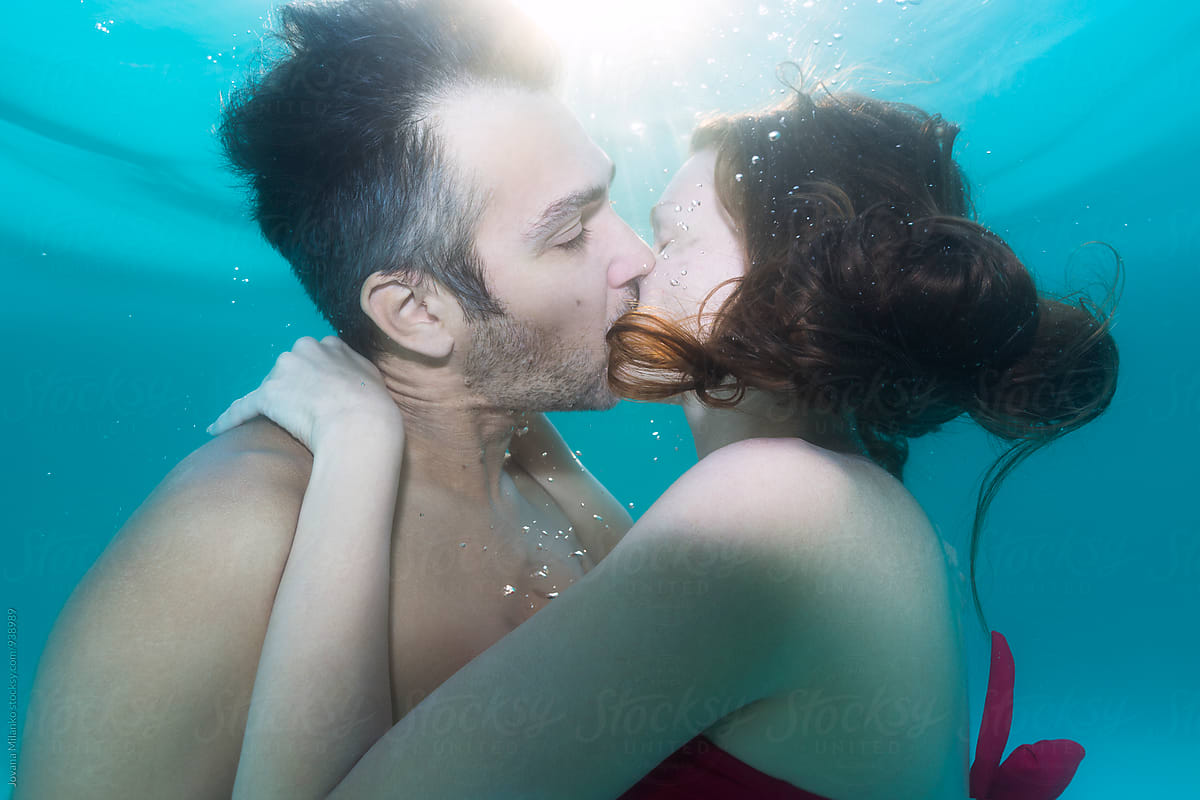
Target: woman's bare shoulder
[
  {"x": 760, "y": 482},
  {"x": 809, "y": 513}
]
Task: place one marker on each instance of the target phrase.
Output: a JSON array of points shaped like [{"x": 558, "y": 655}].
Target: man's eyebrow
[{"x": 564, "y": 208}]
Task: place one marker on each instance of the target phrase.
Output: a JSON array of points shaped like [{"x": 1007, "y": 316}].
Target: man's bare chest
[{"x": 454, "y": 598}]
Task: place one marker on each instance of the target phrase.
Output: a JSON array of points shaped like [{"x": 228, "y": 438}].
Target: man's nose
[{"x": 633, "y": 261}]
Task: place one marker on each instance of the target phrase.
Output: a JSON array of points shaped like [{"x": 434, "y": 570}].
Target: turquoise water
[{"x": 139, "y": 301}]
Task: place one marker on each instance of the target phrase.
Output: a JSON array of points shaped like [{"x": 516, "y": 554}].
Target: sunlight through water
[{"x": 622, "y": 27}]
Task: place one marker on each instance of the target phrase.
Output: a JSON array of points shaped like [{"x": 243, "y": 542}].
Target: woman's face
[{"x": 695, "y": 246}]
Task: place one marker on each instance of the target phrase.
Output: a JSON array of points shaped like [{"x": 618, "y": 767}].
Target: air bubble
[
  {"x": 509, "y": 589},
  {"x": 738, "y": 177},
  {"x": 773, "y": 136}
]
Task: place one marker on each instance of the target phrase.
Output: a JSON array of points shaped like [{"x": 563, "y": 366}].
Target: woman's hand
[
  {"x": 329, "y": 624},
  {"x": 313, "y": 389}
]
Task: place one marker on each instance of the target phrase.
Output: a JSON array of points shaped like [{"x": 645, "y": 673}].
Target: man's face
[{"x": 555, "y": 254}]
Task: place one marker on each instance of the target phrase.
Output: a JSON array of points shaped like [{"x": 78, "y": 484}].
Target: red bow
[{"x": 1039, "y": 771}]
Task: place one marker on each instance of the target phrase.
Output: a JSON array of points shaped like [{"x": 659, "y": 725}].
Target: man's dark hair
[{"x": 348, "y": 173}]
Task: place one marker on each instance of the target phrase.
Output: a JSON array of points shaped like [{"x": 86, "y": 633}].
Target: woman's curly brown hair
[{"x": 870, "y": 292}]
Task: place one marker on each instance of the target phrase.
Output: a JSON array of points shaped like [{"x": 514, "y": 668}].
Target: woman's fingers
[
  {"x": 239, "y": 411},
  {"x": 362, "y": 361},
  {"x": 256, "y": 403},
  {"x": 312, "y": 388}
]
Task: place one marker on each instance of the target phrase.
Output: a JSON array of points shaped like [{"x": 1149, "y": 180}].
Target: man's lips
[{"x": 627, "y": 305}]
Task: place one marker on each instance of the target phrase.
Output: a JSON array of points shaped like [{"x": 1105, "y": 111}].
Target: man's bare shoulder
[
  {"x": 257, "y": 451},
  {"x": 240, "y": 490},
  {"x": 153, "y": 657}
]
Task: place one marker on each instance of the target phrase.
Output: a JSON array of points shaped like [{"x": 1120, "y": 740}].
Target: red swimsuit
[{"x": 702, "y": 771}]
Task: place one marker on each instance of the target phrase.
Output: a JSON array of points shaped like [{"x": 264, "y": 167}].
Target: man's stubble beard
[{"x": 516, "y": 365}]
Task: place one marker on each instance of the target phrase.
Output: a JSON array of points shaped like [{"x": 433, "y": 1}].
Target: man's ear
[{"x": 412, "y": 313}]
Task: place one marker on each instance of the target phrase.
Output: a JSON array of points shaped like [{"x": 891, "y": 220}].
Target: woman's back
[{"x": 878, "y": 708}]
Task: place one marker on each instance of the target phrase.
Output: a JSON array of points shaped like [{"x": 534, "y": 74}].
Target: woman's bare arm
[
  {"x": 322, "y": 694},
  {"x": 599, "y": 518},
  {"x": 699, "y": 611},
  {"x": 322, "y": 691}
]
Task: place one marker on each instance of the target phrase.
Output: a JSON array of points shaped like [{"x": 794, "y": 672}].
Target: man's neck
[
  {"x": 764, "y": 415},
  {"x": 454, "y": 439},
  {"x": 457, "y": 448}
]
